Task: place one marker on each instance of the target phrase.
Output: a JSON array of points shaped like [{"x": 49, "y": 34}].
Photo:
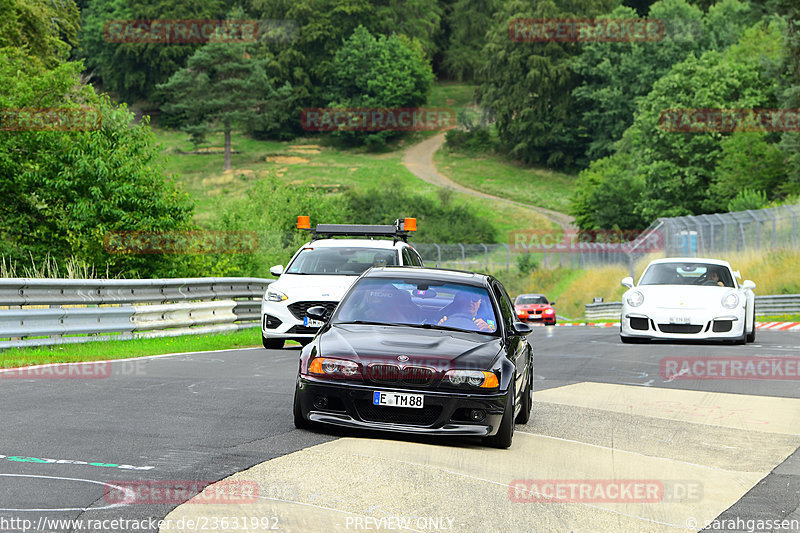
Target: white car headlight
[
  {"x": 635, "y": 299},
  {"x": 730, "y": 300},
  {"x": 275, "y": 296}
]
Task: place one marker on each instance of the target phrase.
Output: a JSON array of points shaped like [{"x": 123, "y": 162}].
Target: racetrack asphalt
[{"x": 602, "y": 410}]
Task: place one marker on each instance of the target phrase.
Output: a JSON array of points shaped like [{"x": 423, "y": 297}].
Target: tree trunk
[{"x": 227, "y": 164}]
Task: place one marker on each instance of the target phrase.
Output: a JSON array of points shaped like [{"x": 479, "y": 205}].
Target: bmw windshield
[{"x": 423, "y": 303}]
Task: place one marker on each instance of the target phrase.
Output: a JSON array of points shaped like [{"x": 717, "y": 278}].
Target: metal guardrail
[
  {"x": 767, "y": 305},
  {"x": 41, "y": 312}
]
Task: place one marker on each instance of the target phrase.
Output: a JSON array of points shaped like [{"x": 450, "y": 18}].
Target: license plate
[
  {"x": 310, "y": 322},
  {"x": 679, "y": 320},
  {"x": 397, "y": 399}
]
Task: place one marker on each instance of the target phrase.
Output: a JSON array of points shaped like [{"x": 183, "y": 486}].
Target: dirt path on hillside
[{"x": 419, "y": 160}]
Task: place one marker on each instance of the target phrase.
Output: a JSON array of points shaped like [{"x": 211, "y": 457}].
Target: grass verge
[
  {"x": 107, "y": 350},
  {"x": 496, "y": 175}
]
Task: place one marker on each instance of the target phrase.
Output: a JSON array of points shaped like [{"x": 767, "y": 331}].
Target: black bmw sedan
[{"x": 419, "y": 350}]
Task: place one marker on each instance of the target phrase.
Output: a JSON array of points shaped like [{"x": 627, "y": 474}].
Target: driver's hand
[
  {"x": 444, "y": 319},
  {"x": 482, "y": 325}
]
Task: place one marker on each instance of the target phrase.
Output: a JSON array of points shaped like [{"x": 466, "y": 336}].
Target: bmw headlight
[
  {"x": 635, "y": 299},
  {"x": 730, "y": 300},
  {"x": 275, "y": 296}
]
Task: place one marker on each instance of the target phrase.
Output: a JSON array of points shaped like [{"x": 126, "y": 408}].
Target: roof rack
[{"x": 398, "y": 231}]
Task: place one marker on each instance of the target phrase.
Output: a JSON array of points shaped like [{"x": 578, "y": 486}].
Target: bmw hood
[{"x": 440, "y": 349}]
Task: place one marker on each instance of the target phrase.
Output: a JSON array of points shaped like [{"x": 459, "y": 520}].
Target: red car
[{"x": 535, "y": 308}]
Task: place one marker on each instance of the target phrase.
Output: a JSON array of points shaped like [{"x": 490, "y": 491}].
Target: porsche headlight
[
  {"x": 635, "y": 299},
  {"x": 275, "y": 296},
  {"x": 730, "y": 300}
]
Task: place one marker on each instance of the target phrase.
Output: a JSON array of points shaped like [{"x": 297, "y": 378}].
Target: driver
[
  {"x": 713, "y": 279},
  {"x": 467, "y": 305}
]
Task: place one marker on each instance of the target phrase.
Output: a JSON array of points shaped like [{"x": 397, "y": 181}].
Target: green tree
[
  {"x": 528, "y": 85},
  {"x": 467, "y": 21},
  {"x": 378, "y": 72},
  {"x": 222, "y": 87},
  {"x": 606, "y": 195},
  {"x": 747, "y": 161},
  {"x": 616, "y": 74},
  {"x": 133, "y": 69},
  {"x": 45, "y": 31},
  {"x": 65, "y": 191},
  {"x": 678, "y": 167},
  {"x": 318, "y": 28}
]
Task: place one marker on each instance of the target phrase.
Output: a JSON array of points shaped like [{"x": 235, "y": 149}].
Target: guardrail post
[
  {"x": 438, "y": 255},
  {"x": 463, "y": 256},
  {"x": 486, "y": 255}
]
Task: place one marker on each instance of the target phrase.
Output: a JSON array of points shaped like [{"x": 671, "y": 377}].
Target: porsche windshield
[
  {"x": 426, "y": 303},
  {"x": 687, "y": 274},
  {"x": 350, "y": 261}
]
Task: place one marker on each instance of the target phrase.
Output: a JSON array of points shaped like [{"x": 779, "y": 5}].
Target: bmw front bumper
[{"x": 351, "y": 406}]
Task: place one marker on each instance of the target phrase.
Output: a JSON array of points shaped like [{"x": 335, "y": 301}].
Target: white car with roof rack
[
  {"x": 688, "y": 298},
  {"x": 322, "y": 270}
]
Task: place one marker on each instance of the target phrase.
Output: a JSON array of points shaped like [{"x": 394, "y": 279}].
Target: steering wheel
[
  {"x": 701, "y": 280},
  {"x": 459, "y": 320}
]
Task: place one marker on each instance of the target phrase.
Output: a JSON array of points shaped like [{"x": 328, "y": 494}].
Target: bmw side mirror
[
  {"x": 277, "y": 270},
  {"x": 520, "y": 328},
  {"x": 748, "y": 284},
  {"x": 628, "y": 282},
  {"x": 317, "y": 312}
]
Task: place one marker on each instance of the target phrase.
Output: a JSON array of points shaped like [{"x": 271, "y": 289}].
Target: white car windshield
[
  {"x": 345, "y": 261},
  {"x": 687, "y": 274},
  {"x": 415, "y": 302}
]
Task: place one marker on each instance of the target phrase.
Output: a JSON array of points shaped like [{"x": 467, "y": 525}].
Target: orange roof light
[
  {"x": 410, "y": 224},
  {"x": 303, "y": 222}
]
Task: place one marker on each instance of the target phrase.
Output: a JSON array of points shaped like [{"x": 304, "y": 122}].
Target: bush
[
  {"x": 526, "y": 263},
  {"x": 471, "y": 142}
]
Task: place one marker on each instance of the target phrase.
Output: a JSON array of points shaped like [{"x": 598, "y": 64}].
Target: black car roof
[{"x": 437, "y": 274}]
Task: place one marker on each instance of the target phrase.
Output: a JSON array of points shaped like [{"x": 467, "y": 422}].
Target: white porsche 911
[{"x": 688, "y": 298}]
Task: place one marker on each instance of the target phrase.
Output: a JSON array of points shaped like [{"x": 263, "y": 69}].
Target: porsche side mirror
[
  {"x": 317, "y": 312},
  {"x": 277, "y": 270},
  {"x": 520, "y": 328},
  {"x": 552, "y": 303},
  {"x": 628, "y": 282},
  {"x": 748, "y": 284}
]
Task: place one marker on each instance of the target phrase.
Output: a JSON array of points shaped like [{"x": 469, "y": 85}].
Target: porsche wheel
[{"x": 751, "y": 337}]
